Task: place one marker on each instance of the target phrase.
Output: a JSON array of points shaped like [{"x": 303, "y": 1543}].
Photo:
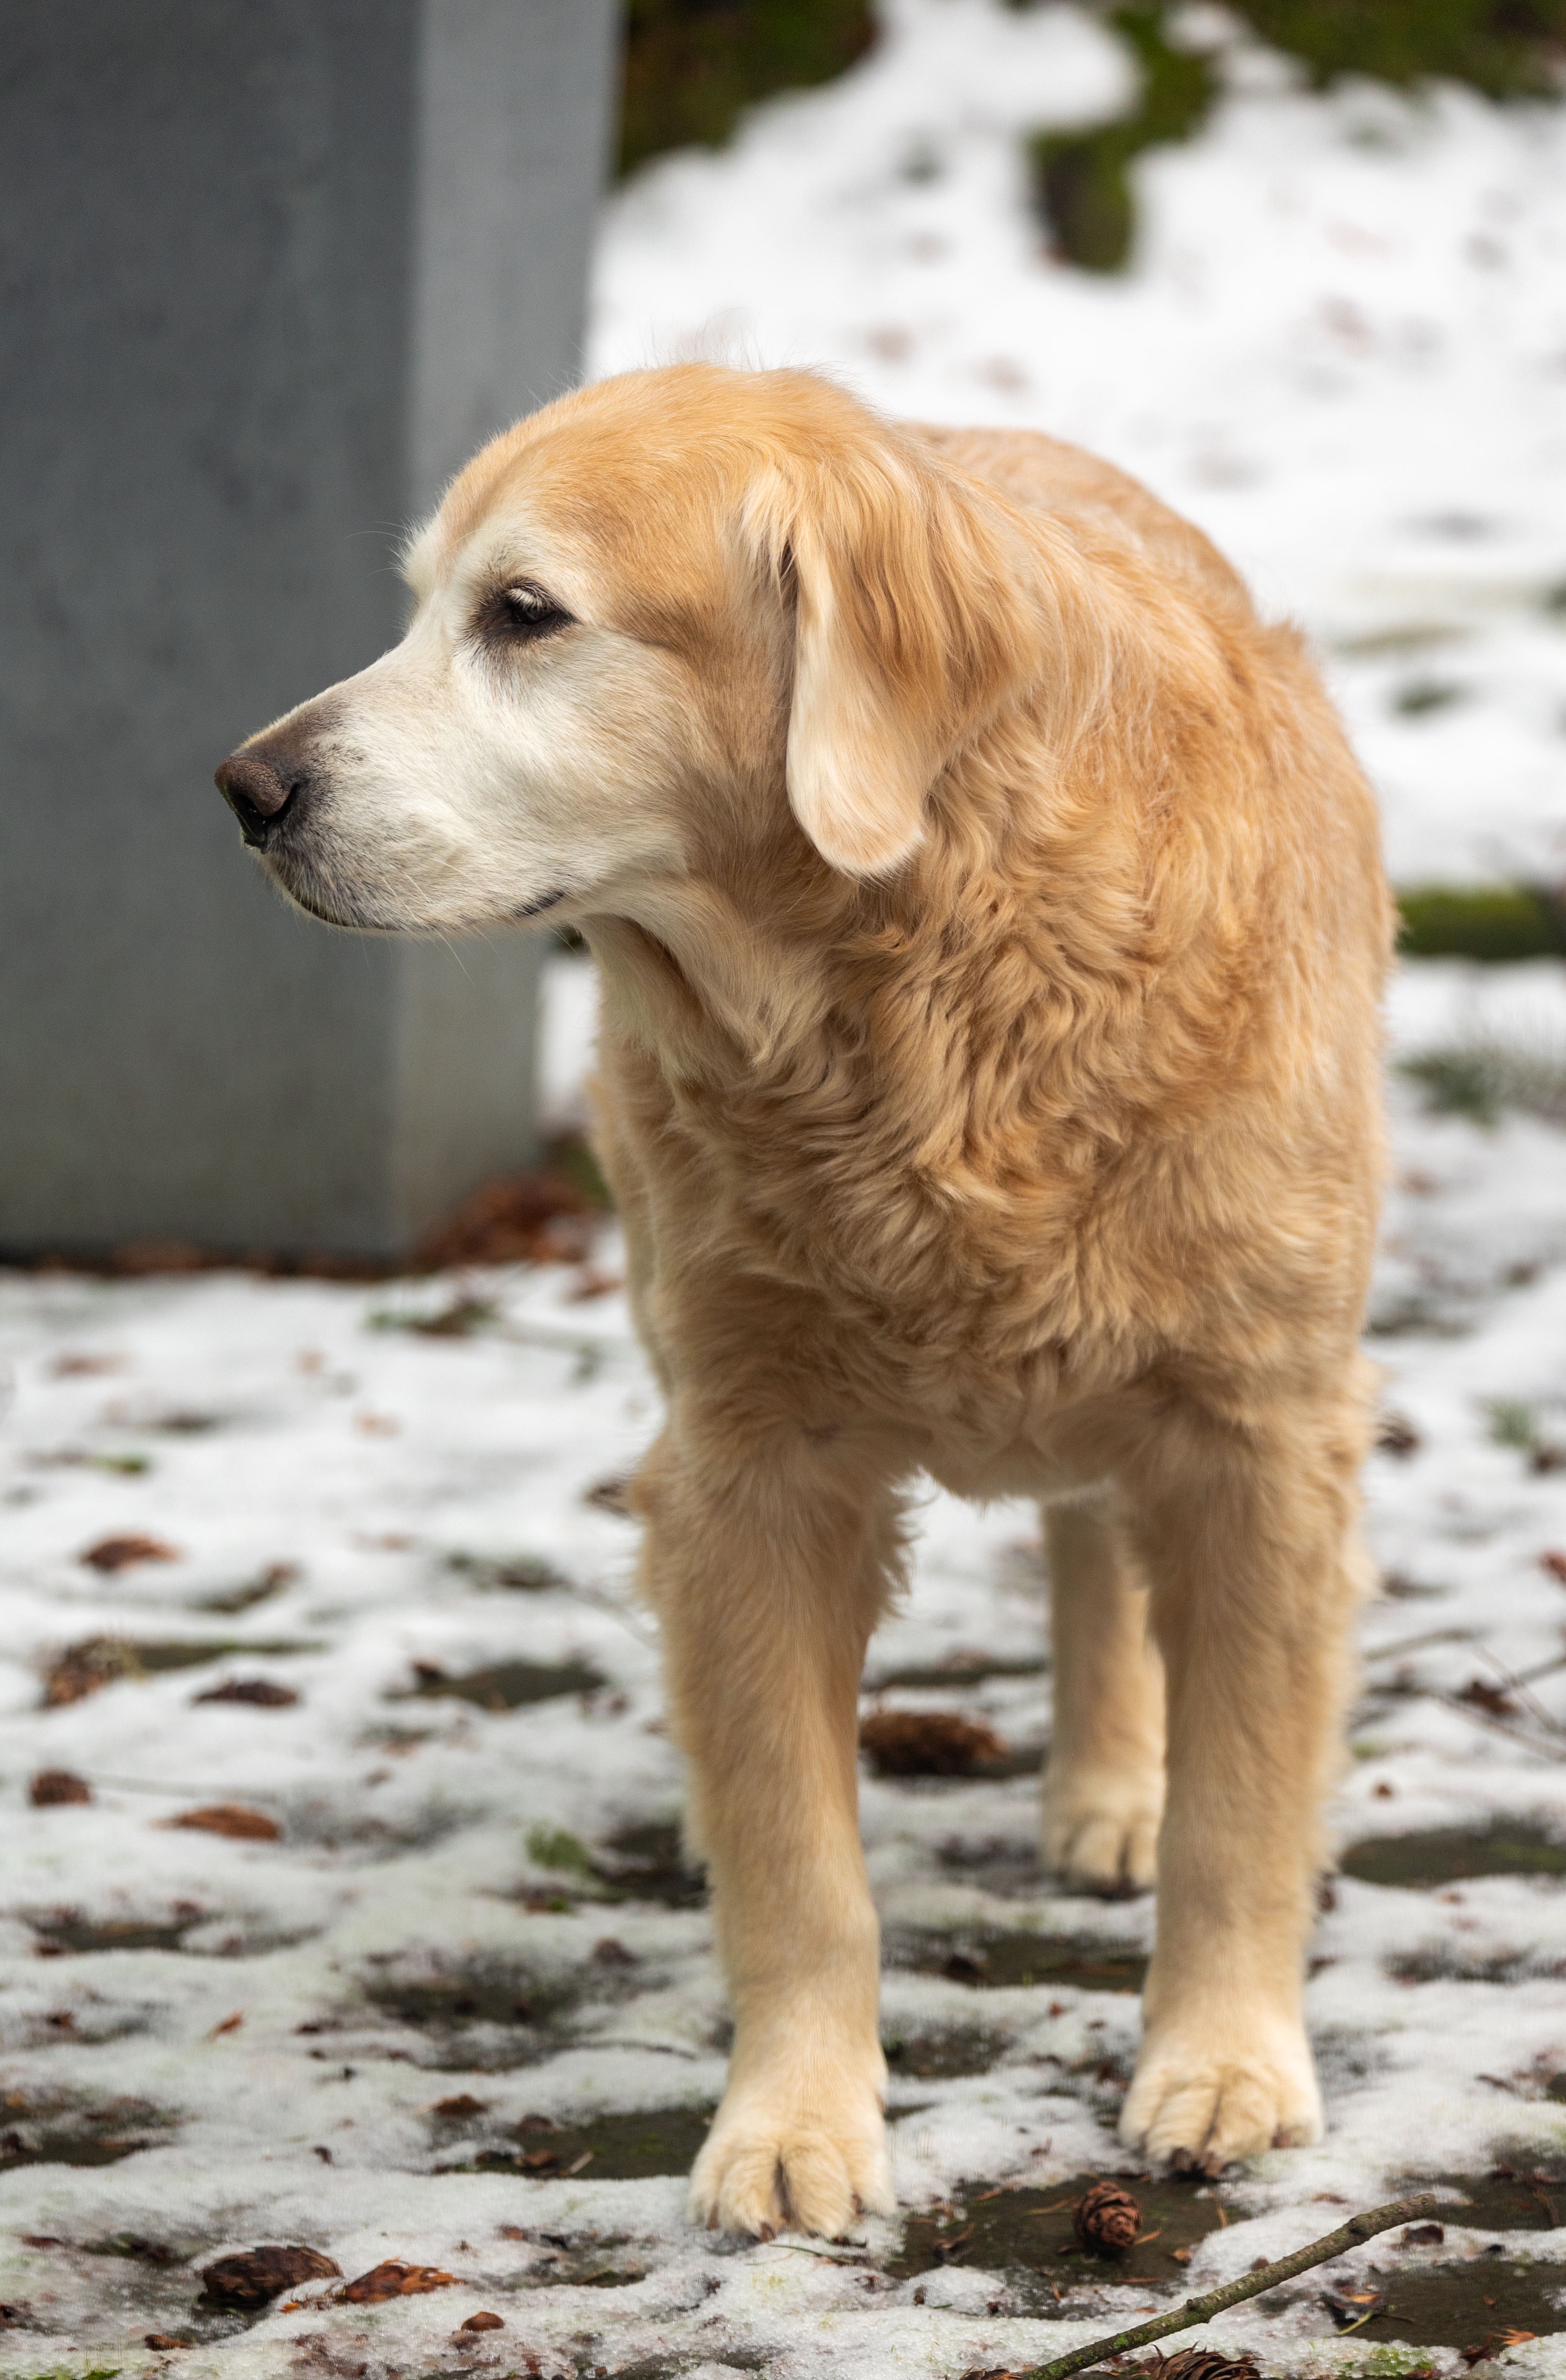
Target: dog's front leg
[
  {"x": 1247, "y": 1535},
  {"x": 767, "y": 1568}
]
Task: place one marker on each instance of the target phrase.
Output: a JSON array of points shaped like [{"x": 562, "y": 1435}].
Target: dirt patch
[
  {"x": 1452, "y": 1854},
  {"x": 1028, "y": 2234},
  {"x": 960, "y": 1673},
  {"x": 1457, "y": 2305},
  {"x": 100, "y": 1661},
  {"x": 492, "y": 2017},
  {"x": 507, "y": 1685},
  {"x": 53, "y": 2133},
  {"x": 68, "y": 1930},
  {"x": 991, "y": 1960},
  {"x": 648, "y": 1863},
  {"x": 1524, "y": 2192},
  {"x": 609, "y": 2148},
  {"x": 939, "y": 2056}
]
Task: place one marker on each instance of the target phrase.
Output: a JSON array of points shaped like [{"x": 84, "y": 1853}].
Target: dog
[{"x": 991, "y": 930}]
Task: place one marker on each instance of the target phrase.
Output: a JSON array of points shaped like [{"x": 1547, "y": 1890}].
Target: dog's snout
[{"x": 258, "y": 791}]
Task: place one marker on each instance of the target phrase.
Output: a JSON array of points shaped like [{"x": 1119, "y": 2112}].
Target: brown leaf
[
  {"x": 1348, "y": 2306},
  {"x": 395, "y": 2279},
  {"x": 264, "y": 1693},
  {"x": 119, "y": 1553},
  {"x": 612, "y": 1953},
  {"x": 264, "y": 2273},
  {"x": 229, "y": 2024},
  {"x": 229, "y": 1818},
  {"x": 165, "y": 2339},
  {"x": 483, "y": 2322},
  {"x": 52, "y": 1787},
  {"x": 929, "y": 1743},
  {"x": 1556, "y": 1565},
  {"x": 40, "y": 2239},
  {"x": 1422, "y": 2235},
  {"x": 463, "y": 2104}
]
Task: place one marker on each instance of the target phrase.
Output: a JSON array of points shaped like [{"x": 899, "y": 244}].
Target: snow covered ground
[{"x": 454, "y": 1925}]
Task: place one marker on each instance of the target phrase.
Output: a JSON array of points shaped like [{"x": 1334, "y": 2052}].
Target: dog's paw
[
  {"x": 1201, "y": 2105},
  {"x": 785, "y": 2159},
  {"x": 1101, "y": 1832}
]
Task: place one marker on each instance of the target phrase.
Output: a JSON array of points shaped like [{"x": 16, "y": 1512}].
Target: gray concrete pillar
[{"x": 273, "y": 269}]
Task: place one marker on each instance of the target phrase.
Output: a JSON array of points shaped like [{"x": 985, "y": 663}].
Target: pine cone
[
  {"x": 1200, "y": 2364},
  {"x": 1107, "y": 2220}
]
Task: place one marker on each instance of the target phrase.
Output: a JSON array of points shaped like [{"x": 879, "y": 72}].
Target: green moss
[
  {"x": 692, "y": 67},
  {"x": 1501, "y": 47},
  {"x": 1495, "y": 923}
]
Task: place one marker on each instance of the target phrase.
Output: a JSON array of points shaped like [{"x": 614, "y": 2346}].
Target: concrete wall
[{"x": 273, "y": 269}]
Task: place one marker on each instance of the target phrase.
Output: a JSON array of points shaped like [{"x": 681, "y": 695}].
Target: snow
[{"x": 1343, "y": 349}]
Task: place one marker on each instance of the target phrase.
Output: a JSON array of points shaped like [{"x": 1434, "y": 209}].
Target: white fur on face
[{"x": 459, "y": 783}]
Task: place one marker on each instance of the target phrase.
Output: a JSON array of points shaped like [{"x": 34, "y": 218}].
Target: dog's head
[{"x": 662, "y": 628}]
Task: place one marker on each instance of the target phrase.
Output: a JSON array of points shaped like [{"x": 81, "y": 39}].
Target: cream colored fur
[{"x": 992, "y": 928}]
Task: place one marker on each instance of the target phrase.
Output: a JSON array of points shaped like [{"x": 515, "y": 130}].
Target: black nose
[{"x": 258, "y": 792}]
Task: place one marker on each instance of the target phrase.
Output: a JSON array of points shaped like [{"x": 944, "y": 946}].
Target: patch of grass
[
  {"x": 559, "y": 1851},
  {"x": 1513, "y": 1423},
  {"x": 1080, "y": 180},
  {"x": 1495, "y": 923},
  {"x": 692, "y": 67},
  {"x": 1504, "y": 48},
  {"x": 1480, "y": 1079},
  {"x": 1423, "y": 695}
]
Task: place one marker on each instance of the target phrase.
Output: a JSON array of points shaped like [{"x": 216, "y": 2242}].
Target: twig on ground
[{"x": 1351, "y": 2234}]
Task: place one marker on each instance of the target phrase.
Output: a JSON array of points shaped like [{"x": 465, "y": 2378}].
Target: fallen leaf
[
  {"x": 395, "y": 2279},
  {"x": 119, "y": 1553},
  {"x": 463, "y": 2104},
  {"x": 929, "y": 1743},
  {"x": 229, "y": 1818},
  {"x": 165, "y": 2339},
  {"x": 52, "y": 1787},
  {"x": 229, "y": 2024},
  {"x": 1422, "y": 2235},
  {"x": 1556, "y": 1565},
  {"x": 264, "y": 2273},
  {"x": 483, "y": 2322},
  {"x": 84, "y": 1668},
  {"x": 40, "y": 2239}
]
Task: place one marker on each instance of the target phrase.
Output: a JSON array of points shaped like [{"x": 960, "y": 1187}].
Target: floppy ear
[{"x": 913, "y": 621}]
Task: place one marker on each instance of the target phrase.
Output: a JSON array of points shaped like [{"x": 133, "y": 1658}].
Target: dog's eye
[{"x": 524, "y": 610}]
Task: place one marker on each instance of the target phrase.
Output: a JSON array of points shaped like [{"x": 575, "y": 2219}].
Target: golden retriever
[{"x": 991, "y": 928}]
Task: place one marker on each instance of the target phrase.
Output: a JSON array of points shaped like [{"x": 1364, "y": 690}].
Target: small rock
[
  {"x": 254, "y": 2278},
  {"x": 1422, "y": 2235},
  {"x": 52, "y": 1787}
]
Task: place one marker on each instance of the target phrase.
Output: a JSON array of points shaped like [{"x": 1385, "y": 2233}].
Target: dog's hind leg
[
  {"x": 769, "y": 1563},
  {"x": 1103, "y": 1789}
]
